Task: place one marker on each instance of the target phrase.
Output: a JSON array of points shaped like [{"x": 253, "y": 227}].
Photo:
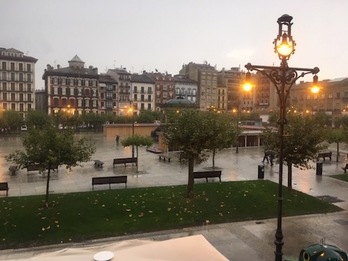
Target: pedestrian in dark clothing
[
  {"x": 117, "y": 139},
  {"x": 265, "y": 157},
  {"x": 271, "y": 157}
]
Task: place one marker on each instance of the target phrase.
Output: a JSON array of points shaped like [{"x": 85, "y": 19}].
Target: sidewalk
[{"x": 236, "y": 241}]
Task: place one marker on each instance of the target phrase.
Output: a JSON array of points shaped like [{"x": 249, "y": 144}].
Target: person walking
[{"x": 117, "y": 139}]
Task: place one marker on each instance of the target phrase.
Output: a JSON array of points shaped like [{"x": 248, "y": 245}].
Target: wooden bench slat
[
  {"x": 207, "y": 174},
  {"x": 109, "y": 180},
  {"x": 124, "y": 161}
]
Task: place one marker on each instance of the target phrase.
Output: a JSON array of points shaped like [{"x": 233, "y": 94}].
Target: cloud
[{"x": 240, "y": 54}]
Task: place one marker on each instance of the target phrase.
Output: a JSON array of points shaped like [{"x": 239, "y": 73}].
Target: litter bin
[
  {"x": 319, "y": 170},
  {"x": 322, "y": 252},
  {"x": 261, "y": 171}
]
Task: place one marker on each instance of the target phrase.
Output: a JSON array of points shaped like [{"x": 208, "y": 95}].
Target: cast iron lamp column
[{"x": 283, "y": 77}]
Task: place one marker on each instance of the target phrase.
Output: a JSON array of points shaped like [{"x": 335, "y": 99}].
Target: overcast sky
[{"x": 165, "y": 34}]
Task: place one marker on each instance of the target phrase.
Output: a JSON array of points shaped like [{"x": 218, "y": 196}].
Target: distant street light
[{"x": 283, "y": 77}]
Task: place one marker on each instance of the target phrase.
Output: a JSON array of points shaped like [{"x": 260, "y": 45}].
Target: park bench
[
  {"x": 124, "y": 161},
  {"x": 98, "y": 163},
  {"x": 109, "y": 180},
  {"x": 345, "y": 168},
  {"x": 35, "y": 167},
  {"x": 4, "y": 187},
  {"x": 324, "y": 155},
  {"x": 207, "y": 174},
  {"x": 164, "y": 157}
]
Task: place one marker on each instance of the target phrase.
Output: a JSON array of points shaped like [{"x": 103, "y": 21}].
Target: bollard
[
  {"x": 319, "y": 170},
  {"x": 261, "y": 171}
]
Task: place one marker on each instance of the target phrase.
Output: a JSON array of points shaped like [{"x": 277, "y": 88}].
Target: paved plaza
[{"x": 236, "y": 241}]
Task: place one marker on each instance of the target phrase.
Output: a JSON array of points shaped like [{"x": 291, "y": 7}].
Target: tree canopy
[{"x": 48, "y": 147}]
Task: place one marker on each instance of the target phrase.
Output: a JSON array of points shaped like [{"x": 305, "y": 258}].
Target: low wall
[{"x": 125, "y": 130}]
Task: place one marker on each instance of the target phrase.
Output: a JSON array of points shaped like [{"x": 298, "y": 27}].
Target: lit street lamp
[{"x": 283, "y": 78}]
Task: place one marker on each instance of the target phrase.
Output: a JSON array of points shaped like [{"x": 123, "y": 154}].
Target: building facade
[
  {"x": 331, "y": 99},
  {"x": 74, "y": 88},
  {"x": 164, "y": 88},
  {"x": 206, "y": 77},
  {"x": 186, "y": 88},
  {"x": 107, "y": 94},
  {"x": 123, "y": 91},
  {"x": 142, "y": 93},
  {"x": 17, "y": 81}
]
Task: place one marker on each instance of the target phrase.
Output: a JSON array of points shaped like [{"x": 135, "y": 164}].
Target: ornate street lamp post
[{"x": 283, "y": 77}]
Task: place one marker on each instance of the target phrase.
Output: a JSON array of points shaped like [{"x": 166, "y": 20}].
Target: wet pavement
[{"x": 236, "y": 241}]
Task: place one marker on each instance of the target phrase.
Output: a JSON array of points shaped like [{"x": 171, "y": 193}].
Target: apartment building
[
  {"x": 206, "y": 77},
  {"x": 229, "y": 89},
  {"x": 123, "y": 91},
  {"x": 74, "y": 87},
  {"x": 164, "y": 88},
  {"x": 17, "y": 81},
  {"x": 107, "y": 93},
  {"x": 142, "y": 93},
  {"x": 186, "y": 88},
  {"x": 332, "y": 97}
]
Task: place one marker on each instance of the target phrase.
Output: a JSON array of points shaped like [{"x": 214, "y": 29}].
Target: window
[
  {"x": 21, "y": 87},
  {"x": 29, "y": 106},
  {"x": 29, "y": 97},
  {"x": 29, "y": 87},
  {"x": 3, "y": 65},
  {"x": 21, "y": 107},
  {"x": 4, "y": 76},
  {"x": 63, "y": 91},
  {"x": 55, "y": 102},
  {"x": 79, "y": 103},
  {"x": 28, "y": 67},
  {"x": 21, "y": 77},
  {"x": 12, "y": 66},
  {"x": 149, "y": 97},
  {"x": 13, "y": 87},
  {"x": 29, "y": 77},
  {"x": 13, "y": 106},
  {"x": 4, "y": 96},
  {"x": 4, "y": 86},
  {"x": 149, "y": 90},
  {"x": 13, "y": 96},
  {"x": 20, "y": 67},
  {"x": 13, "y": 77},
  {"x": 149, "y": 106},
  {"x": 86, "y": 103}
]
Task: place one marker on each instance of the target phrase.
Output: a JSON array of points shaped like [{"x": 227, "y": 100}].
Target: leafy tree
[
  {"x": 336, "y": 136},
  {"x": 13, "y": 120},
  {"x": 222, "y": 130},
  {"x": 137, "y": 140},
  {"x": 323, "y": 119},
  {"x": 38, "y": 119},
  {"x": 187, "y": 131},
  {"x": 49, "y": 147},
  {"x": 302, "y": 142}
]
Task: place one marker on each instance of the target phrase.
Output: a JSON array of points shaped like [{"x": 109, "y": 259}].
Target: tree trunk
[
  {"x": 190, "y": 177},
  {"x": 289, "y": 175},
  {"x": 48, "y": 184},
  {"x": 213, "y": 158},
  {"x": 338, "y": 151}
]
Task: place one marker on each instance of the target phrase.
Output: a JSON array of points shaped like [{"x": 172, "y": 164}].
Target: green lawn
[
  {"x": 81, "y": 216},
  {"x": 343, "y": 177}
]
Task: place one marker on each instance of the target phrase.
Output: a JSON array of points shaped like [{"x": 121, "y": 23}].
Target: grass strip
[
  {"x": 343, "y": 177},
  {"x": 76, "y": 217}
]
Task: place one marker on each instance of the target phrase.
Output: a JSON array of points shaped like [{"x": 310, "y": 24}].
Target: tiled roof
[
  {"x": 105, "y": 78},
  {"x": 74, "y": 72},
  {"x": 141, "y": 78}
]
